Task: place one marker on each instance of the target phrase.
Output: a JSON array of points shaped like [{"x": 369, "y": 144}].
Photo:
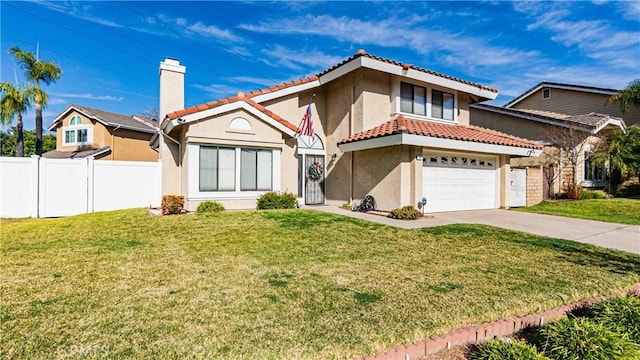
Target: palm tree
[
  {"x": 37, "y": 71},
  {"x": 15, "y": 100},
  {"x": 629, "y": 96}
]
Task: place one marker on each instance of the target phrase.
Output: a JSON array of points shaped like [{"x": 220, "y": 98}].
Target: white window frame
[
  {"x": 76, "y": 129},
  {"x": 548, "y": 91},
  {"x": 193, "y": 174},
  {"x": 429, "y": 102},
  {"x": 587, "y": 169}
]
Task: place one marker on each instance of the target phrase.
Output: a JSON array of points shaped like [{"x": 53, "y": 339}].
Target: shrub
[
  {"x": 587, "y": 194},
  {"x": 276, "y": 200},
  {"x": 209, "y": 207},
  {"x": 501, "y": 350},
  {"x": 347, "y": 206},
  {"x": 620, "y": 315},
  {"x": 572, "y": 191},
  {"x": 406, "y": 213},
  {"x": 580, "y": 338},
  {"x": 172, "y": 204}
]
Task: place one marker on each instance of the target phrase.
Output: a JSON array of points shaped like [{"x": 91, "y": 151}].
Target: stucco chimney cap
[{"x": 171, "y": 64}]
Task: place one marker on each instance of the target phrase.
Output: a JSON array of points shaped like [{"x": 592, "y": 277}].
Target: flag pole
[{"x": 313, "y": 96}]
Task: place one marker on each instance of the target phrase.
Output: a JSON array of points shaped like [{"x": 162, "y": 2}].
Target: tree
[
  {"x": 629, "y": 96},
  {"x": 570, "y": 144},
  {"x": 622, "y": 151},
  {"x": 15, "y": 100},
  {"x": 9, "y": 138},
  {"x": 37, "y": 71}
]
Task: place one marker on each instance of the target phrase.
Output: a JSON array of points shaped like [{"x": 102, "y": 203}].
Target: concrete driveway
[{"x": 609, "y": 235}]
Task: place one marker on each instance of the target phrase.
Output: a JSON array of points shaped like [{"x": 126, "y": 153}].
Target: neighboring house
[
  {"x": 82, "y": 132},
  {"x": 395, "y": 131},
  {"x": 573, "y": 100},
  {"x": 550, "y": 173}
]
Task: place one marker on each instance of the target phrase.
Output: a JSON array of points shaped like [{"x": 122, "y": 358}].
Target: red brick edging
[{"x": 485, "y": 331}]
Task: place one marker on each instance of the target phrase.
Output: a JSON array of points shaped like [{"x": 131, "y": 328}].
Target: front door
[{"x": 313, "y": 172}]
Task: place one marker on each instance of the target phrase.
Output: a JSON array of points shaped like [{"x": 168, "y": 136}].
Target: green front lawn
[
  {"x": 273, "y": 284},
  {"x": 623, "y": 211}
]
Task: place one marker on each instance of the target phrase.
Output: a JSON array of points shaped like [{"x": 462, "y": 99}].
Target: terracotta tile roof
[
  {"x": 401, "y": 125},
  {"x": 362, "y": 53},
  {"x": 229, "y": 100}
]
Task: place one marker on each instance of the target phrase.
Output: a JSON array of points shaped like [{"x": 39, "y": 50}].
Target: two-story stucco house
[
  {"x": 396, "y": 131},
  {"x": 82, "y": 131}
]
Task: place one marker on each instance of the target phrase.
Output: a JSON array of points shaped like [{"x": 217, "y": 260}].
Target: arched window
[{"x": 76, "y": 120}]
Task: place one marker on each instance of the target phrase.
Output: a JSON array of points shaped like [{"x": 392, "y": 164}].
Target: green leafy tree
[
  {"x": 629, "y": 96},
  {"x": 9, "y": 138},
  {"x": 39, "y": 72},
  {"x": 15, "y": 100},
  {"x": 622, "y": 150}
]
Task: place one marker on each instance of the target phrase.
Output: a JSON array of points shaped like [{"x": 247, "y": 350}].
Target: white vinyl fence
[{"x": 40, "y": 187}]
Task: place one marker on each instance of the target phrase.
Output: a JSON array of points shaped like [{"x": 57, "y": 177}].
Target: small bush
[
  {"x": 501, "y": 350},
  {"x": 406, "y": 213},
  {"x": 276, "y": 200},
  {"x": 172, "y": 204},
  {"x": 587, "y": 195},
  {"x": 580, "y": 338},
  {"x": 572, "y": 191},
  {"x": 620, "y": 315},
  {"x": 347, "y": 206},
  {"x": 207, "y": 207}
]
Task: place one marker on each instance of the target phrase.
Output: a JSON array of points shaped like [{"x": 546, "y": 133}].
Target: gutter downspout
[
  {"x": 179, "y": 158},
  {"x": 113, "y": 146}
]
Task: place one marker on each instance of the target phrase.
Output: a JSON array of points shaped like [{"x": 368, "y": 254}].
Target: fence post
[
  {"x": 35, "y": 201},
  {"x": 90, "y": 184}
]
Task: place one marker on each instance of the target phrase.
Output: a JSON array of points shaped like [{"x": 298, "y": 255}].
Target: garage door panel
[{"x": 453, "y": 186}]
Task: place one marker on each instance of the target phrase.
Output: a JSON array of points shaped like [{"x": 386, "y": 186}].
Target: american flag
[{"x": 306, "y": 126}]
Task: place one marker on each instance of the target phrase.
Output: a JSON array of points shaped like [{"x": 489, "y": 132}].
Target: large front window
[
  {"x": 219, "y": 167},
  {"x": 414, "y": 100}
]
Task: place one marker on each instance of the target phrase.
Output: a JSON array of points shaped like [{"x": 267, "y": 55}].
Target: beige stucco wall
[
  {"x": 463, "y": 109},
  {"x": 262, "y": 135},
  {"x": 376, "y": 99},
  {"x": 125, "y": 144},
  {"x": 577, "y": 103}
]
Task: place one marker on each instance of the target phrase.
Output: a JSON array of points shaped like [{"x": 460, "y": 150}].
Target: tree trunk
[
  {"x": 19, "y": 137},
  {"x": 38, "y": 129}
]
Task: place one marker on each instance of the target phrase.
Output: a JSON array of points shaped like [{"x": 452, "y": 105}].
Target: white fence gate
[{"x": 40, "y": 187}]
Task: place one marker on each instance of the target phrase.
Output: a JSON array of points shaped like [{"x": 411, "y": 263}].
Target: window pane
[
  {"x": 436, "y": 104},
  {"x": 82, "y": 135},
  {"x": 406, "y": 97},
  {"x": 70, "y": 136},
  {"x": 226, "y": 169},
  {"x": 264, "y": 169},
  {"x": 447, "y": 106},
  {"x": 248, "y": 169},
  {"x": 420, "y": 101},
  {"x": 208, "y": 168}
]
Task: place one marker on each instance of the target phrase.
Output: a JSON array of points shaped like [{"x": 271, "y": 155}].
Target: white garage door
[{"x": 459, "y": 182}]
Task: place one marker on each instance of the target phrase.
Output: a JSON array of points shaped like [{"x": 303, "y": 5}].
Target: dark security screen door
[{"x": 314, "y": 189}]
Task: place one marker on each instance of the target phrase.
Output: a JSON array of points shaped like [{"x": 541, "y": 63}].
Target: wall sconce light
[
  {"x": 419, "y": 157},
  {"x": 334, "y": 157}
]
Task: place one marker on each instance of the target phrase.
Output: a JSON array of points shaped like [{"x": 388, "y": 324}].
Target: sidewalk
[{"x": 609, "y": 235}]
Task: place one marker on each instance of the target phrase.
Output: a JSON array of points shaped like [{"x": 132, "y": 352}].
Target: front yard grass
[
  {"x": 273, "y": 284},
  {"x": 623, "y": 211}
]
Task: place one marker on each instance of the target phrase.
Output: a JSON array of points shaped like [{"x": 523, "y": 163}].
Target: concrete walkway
[{"x": 609, "y": 235}]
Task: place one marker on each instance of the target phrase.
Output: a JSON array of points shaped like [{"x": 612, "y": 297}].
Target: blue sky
[{"x": 110, "y": 51}]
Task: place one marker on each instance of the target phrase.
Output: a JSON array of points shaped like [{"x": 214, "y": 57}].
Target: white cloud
[
  {"x": 300, "y": 59},
  {"x": 90, "y": 96},
  {"x": 198, "y": 28},
  {"x": 76, "y": 10},
  {"x": 217, "y": 90},
  {"x": 253, "y": 80}
]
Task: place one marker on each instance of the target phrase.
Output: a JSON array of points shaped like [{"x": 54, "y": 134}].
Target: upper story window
[
  {"x": 442, "y": 105},
  {"x": 413, "y": 99},
  {"x": 76, "y": 133},
  {"x": 546, "y": 93},
  {"x": 427, "y": 102}
]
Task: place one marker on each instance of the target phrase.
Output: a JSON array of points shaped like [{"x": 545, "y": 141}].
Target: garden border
[{"x": 486, "y": 331}]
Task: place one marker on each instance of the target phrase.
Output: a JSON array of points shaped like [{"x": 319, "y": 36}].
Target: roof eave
[{"x": 435, "y": 142}]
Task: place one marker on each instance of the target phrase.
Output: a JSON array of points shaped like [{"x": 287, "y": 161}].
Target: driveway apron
[{"x": 609, "y": 235}]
